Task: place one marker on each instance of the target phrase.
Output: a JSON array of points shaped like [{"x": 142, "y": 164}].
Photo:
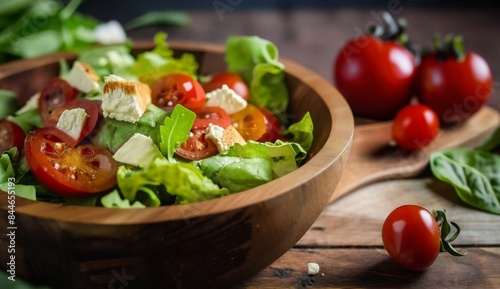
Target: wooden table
[{"x": 345, "y": 240}]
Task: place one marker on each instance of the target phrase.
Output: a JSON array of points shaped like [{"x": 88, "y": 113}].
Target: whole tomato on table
[
  {"x": 453, "y": 83},
  {"x": 413, "y": 236},
  {"x": 375, "y": 73}
]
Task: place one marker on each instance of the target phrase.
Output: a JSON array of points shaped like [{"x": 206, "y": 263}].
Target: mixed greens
[{"x": 168, "y": 179}]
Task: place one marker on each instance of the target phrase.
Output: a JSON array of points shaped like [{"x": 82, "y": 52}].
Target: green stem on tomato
[
  {"x": 445, "y": 230},
  {"x": 449, "y": 46}
]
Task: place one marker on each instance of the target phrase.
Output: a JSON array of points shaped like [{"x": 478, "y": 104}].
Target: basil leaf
[{"x": 474, "y": 174}]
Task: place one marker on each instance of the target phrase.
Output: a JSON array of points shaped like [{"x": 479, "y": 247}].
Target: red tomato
[
  {"x": 55, "y": 93},
  {"x": 415, "y": 126},
  {"x": 211, "y": 115},
  {"x": 232, "y": 80},
  {"x": 68, "y": 171},
  {"x": 11, "y": 135},
  {"x": 273, "y": 127},
  {"x": 411, "y": 236},
  {"x": 196, "y": 147},
  {"x": 174, "y": 89},
  {"x": 91, "y": 108},
  {"x": 454, "y": 89},
  {"x": 249, "y": 122},
  {"x": 374, "y": 76}
]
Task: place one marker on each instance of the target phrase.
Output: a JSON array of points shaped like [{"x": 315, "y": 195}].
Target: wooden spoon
[{"x": 373, "y": 158}]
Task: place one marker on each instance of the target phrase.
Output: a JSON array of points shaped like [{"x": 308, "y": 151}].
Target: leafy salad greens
[{"x": 168, "y": 179}]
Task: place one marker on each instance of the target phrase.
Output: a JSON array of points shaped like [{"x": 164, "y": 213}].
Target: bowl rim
[{"x": 338, "y": 143}]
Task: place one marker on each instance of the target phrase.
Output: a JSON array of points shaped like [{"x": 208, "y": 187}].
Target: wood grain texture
[
  {"x": 374, "y": 158},
  {"x": 373, "y": 268},
  {"x": 201, "y": 245}
]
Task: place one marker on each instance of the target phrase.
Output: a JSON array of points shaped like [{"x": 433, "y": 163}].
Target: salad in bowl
[{"x": 131, "y": 131}]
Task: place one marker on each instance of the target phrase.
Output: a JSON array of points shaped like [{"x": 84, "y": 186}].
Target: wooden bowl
[{"x": 208, "y": 244}]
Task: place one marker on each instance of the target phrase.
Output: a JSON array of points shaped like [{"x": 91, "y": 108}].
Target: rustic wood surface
[{"x": 345, "y": 240}]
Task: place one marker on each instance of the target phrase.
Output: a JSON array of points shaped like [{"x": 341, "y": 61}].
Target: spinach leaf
[
  {"x": 493, "y": 142},
  {"x": 474, "y": 174}
]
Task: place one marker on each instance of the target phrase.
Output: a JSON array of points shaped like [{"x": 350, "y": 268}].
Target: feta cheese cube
[
  {"x": 124, "y": 100},
  {"x": 82, "y": 77},
  {"x": 32, "y": 103},
  {"x": 224, "y": 138},
  {"x": 139, "y": 150},
  {"x": 227, "y": 99},
  {"x": 72, "y": 121}
]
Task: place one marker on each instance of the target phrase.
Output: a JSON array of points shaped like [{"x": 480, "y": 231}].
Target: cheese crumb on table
[{"x": 312, "y": 268}]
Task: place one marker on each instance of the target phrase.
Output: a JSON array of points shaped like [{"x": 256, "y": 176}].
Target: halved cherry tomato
[
  {"x": 11, "y": 135},
  {"x": 273, "y": 127},
  {"x": 68, "y": 171},
  {"x": 55, "y": 93},
  {"x": 211, "y": 115},
  {"x": 174, "y": 89},
  {"x": 196, "y": 147},
  {"x": 415, "y": 126},
  {"x": 91, "y": 107},
  {"x": 232, "y": 80},
  {"x": 250, "y": 122}
]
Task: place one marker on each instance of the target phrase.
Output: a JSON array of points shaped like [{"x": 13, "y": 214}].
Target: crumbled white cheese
[
  {"x": 227, "y": 99},
  {"x": 72, "y": 122},
  {"x": 32, "y": 103},
  {"x": 111, "y": 32},
  {"x": 312, "y": 269},
  {"x": 139, "y": 150},
  {"x": 113, "y": 77},
  {"x": 124, "y": 100},
  {"x": 81, "y": 78},
  {"x": 215, "y": 133}
]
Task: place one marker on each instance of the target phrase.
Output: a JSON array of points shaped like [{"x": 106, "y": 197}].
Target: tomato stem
[
  {"x": 394, "y": 30},
  {"x": 445, "y": 230},
  {"x": 449, "y": 46}
]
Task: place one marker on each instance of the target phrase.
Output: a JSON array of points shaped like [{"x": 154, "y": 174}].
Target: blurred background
[{"x": 308, "y": 32}]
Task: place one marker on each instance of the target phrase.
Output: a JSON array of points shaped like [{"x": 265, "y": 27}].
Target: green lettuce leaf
[
  {"x": 28, "y": 120},
  {"x": 151, "y": 65},
  {"x": 302, "y": 132},
  {"x": 474, "y": 174},
  {"x": 285, "y": 157},
  {"x": 12, "y": 170},
  {"x": 8, "y": 103},
  {"x": 175, "y": 130},
  {"x": 235, "y": 173},
  {"x": 114, "y": 200},
  {"x": 112, "y": 59},
  {"x": 182, "y": 180},
  {"x": 256, "y": 60}
]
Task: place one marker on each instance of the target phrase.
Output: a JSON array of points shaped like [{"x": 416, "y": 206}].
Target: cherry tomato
[
  {"x": 374, "y": 76},
  {"x": 68, "y": 171},
  {"x": 232, "y": 80},
  {"x": 91, "y": 108},
  {"x": 174, "y": 89},
  {"x": 55, "y": 93},
  {"x": 454, "y": 89},
  {"x": 249, "y": 122},
  {"x": 211, "y": 115},
  {"x": 196, "y": 147},
  {"x": 415, "y": 126},
  {"x": 11, "y": 135},
  {"x": 273, "y": 127},
  {"x": 411, "y": 236}
]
